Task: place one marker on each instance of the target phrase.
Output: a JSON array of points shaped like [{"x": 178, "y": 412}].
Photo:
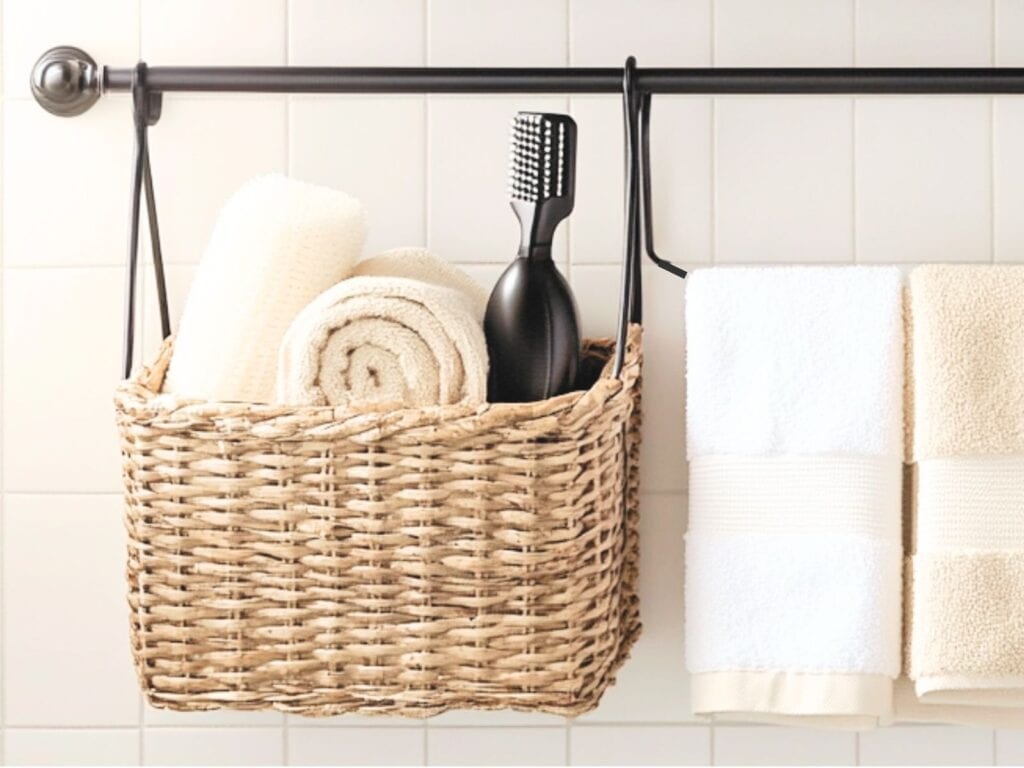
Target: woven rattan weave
[{"x": 322, "y": 561}]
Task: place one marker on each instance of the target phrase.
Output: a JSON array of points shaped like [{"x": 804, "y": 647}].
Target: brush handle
[{"x": 533, "y": 337}]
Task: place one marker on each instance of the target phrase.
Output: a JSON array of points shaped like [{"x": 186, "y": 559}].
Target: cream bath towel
[
  {"x": 420, "y": 264},
  {"x": 384, "y": 339},
  {"x": 277, "y": 244},
  {"x": 966, "y": 608},
  {"x": 793, "y": 549}
]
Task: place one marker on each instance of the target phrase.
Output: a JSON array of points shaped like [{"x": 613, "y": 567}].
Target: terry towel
[
  {"x": 795, "y": 440},
  {"x": 966, "y": 608},
  {"x": 277, "y": 244},
  {"x": 380, "y": 338}
]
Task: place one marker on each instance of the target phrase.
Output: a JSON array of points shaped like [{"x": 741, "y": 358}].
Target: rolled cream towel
[
  {"x": 793, "y": 552},
  {"x": 965, "y": 612},
  {"x": 421, "y": 264},
  {"x": 384, "y": 339},
  {"x": 278, "y": 243}
]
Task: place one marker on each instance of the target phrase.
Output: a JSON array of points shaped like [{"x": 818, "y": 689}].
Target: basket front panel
[{"x": 401, "y": 575}]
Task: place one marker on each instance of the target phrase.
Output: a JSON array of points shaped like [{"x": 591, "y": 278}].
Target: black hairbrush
[{"x": 532, "y": 327}]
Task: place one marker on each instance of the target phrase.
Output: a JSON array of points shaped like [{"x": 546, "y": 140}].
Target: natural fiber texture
[
  {"x": 965, "y": 575},
  {"x": 384, "y": 340},
  {"x": 968, "y": 332},
  {"x": 320, "y": 561},
  {"x": 420, "y": 264}
]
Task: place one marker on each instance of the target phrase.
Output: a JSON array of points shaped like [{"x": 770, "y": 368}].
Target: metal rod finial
[{"x": 66, "y": 81}]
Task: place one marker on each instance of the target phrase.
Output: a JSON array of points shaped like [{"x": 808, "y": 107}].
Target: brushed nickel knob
[{"x": 65, "y": 81}]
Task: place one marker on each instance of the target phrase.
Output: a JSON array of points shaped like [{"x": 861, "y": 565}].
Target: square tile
[
  {"x": 349, "y": 721},
  {"x": 62, "y": 359},
  {"x": 67, "y": 658},
  {"x": 791, "y": 33},
  {"x": 380, "y": 159},
  {"x": 1009, "y": 747},
  {"x": 924, "y": 174},
  {"x": 783, "y": 181},
  {"x": 207, "y": 32},
  {"x": 680, "y": 179},
  {"x": 494, "y": 718},
  {"x": 32, "y": 26},
  {"x": 202, "y": 151},
  {"x": 356, "y": 746},
  {"x": 469, "y": 219},
  {"x": 1009, "y": 33},
  {"x": 62, "y": 205},
  {"x": 640, "y": 745},
  {"x": 152, "y": 716},
  {"x": 71, "y": 747},
  {"x": 496, "y": 746},
  {"x": 924, "y": 33},
  {"x": 653, "y": 687},
  {"x": 213, "y": 746},
  {"x": 766, "y": 745},
  {"x": 1008, "y": 178},
  {"x": 357, "y": 33},
  {"x": 927, "y": 745},
  {"x": 660, "y": 33},
  {"x": 496, "y": 33}
]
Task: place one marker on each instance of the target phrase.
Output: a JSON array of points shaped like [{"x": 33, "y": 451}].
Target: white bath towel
[
  {"x": 384, "y": 339},
  {"x": 277, "y": 244},
  {"x": 795, "y": 423}
]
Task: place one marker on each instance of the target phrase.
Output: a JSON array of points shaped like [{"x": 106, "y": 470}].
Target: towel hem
[{"x": 835, "y": 700}]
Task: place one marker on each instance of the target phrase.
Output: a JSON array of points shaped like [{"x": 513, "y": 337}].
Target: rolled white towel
[
  {"x": 421, "y": 264},
  {"x": 278, "y": 243},
  {"x": 384, "y": 339}
]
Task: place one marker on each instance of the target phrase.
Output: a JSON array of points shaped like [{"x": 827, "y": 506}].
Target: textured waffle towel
[
  {"x": 278, "y": 243},
  {"x": 795, "y": 418},
  {"x": 379, "y": 338},
  {"x": 966, "y": 609}
]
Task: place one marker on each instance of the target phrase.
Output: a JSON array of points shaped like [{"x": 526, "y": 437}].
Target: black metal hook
[
  {"x": 648, "y": 216},
  {"x": 631, "y": 307},
  {"x": 146, "y": 109}
]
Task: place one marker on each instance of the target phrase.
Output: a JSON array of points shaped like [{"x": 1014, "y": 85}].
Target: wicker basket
[{"x": 323, "y": 561}]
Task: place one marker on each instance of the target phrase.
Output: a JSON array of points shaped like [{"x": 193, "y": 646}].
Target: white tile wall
[
  {"x": 760, "y": 745},
  {"x": 497, "y": 746},
  {"x": 736, "y": 180}
]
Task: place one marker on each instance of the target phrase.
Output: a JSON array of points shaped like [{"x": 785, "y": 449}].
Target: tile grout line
[
  {"x": 427, "y": 103},
  {"x": 427, "y": 210},
  {"x": 288, "y": 165},
  {"x": 713, "y": 255},
  {"x": 141, "y": 337},
  {"x": 992, "y": 111},
  {"x": 3, "y": 456},
  {"x": 568, "y": 107},
  {"x": 713, "y": 116}
]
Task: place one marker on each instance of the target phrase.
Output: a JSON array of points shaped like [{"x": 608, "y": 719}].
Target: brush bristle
[{"x": 537, "y": 162}]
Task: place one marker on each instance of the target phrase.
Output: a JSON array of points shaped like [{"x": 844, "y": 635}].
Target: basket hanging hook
[
  {"x": 146, "y": 108},
  {"x": 631, "y": 306}
]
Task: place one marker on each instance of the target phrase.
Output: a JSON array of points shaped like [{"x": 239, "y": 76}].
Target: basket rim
[{"x": 139, "y": 399}]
